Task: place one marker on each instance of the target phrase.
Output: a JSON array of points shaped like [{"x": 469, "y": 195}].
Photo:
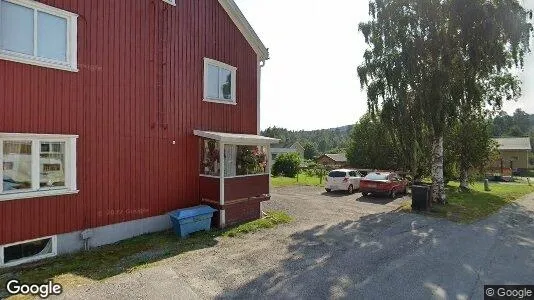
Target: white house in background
[{"x": 295, "y": 148}]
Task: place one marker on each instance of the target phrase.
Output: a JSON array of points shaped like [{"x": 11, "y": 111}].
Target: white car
[{"x": 343, "y": 180}]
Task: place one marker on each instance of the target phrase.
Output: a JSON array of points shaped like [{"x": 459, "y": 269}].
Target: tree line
[{"x": 315, "y": 142}]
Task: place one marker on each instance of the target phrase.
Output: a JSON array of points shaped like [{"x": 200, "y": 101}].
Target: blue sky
[{"x": 310, "y": 82}]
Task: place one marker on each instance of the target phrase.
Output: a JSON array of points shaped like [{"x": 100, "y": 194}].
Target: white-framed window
[
  {"x": 171, "y": 2},
  {"x": 37, "y": 165},
  {"x": 38, "y": 34},
  {"x": 27, "y": 251},
  {"x": 219, "y": 82}
]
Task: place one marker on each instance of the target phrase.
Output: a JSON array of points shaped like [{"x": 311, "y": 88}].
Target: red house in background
[{"x": 113, "y": 113}]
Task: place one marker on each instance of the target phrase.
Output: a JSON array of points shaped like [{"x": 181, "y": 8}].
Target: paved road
[{"x": 344, "y": 246}]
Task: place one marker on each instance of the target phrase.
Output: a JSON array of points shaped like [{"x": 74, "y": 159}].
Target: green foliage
[
  {"x": 310, "y": 151},
  {"x": 325, "y": 140},
  {"x": 301, "y": 179},
  {"x": 468, "y": 147},
  {"x": 286, "y": 164},
  {"x": 429, "y": 62},
  {"x": 272, "y": 219},
  {"x": 467, "y": 207},
  {"x": 371, "y": 145},
  {"x": 316, "y": 170},
  {"x": 520, "y": 124}
]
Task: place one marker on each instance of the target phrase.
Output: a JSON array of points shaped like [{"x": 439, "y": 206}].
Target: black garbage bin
[{"x": 421, "y": 197}]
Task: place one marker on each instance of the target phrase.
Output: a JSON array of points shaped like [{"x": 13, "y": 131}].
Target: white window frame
[
  {"x": 36, "y": 191},
  {"x": 28, "y": 259},
  {"x": 232, "y": 69},
  {"x": 72, "y": 35},
  {"x": 171, "y": 2}
]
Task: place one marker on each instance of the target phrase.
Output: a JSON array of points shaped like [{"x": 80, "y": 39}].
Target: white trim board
[{"x": 246, "y": 29}]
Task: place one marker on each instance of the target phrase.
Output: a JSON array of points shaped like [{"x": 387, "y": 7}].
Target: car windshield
[
  {"x": 337, "y": 174},
  {"x": 377, "y": 176}
]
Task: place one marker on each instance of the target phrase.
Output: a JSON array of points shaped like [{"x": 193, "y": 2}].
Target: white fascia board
[{"x": 246, "y": 29}]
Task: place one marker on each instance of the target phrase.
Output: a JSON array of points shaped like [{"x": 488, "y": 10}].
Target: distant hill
[{"x": 331, "y": 140}]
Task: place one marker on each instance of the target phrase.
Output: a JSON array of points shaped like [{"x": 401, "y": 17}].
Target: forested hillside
[
  {"x": 518, "y": 124},
  {"x": 333, "y": 140}
]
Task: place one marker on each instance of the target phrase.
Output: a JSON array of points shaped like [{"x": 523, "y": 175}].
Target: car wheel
[
  {"x": 328, "y": 190},
  {"x": 365, "y": 194},
  {"x": 393, "y": 194},
  {"x": 351, "y": 189}
]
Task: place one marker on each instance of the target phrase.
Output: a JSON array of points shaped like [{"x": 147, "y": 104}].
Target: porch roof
[{"x": 236, "y": 138}]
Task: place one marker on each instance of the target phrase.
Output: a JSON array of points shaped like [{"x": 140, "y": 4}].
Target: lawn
[
  {"x": 467, "y": 207},
  {"x": 127, "y": 256},
  {"x": 301, "y": 179}
]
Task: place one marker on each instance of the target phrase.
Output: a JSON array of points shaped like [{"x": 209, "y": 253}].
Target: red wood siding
[
  {"x": 245, "y": 187},
  {"x": 139, "y": 88},
  {"x": 209, "y": 188}
]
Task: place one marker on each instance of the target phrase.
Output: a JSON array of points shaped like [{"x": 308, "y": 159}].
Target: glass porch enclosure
[{"x": 234, "y": 172}]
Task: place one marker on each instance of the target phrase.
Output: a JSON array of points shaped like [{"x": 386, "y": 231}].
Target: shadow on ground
[
  {"x": 377, "y": 199},
  {"x": 337, "y": 194},
  {"x": 401, "y": 256},
  {"x": 110, "y": 260}
]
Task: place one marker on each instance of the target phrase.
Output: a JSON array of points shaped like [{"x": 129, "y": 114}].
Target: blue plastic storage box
[{"x": 188, "y": 220}]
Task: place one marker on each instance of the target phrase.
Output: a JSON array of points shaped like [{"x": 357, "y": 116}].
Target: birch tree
[{"x": 430, "y": 59}]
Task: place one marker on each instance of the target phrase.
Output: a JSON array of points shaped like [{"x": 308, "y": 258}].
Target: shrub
[{"x": 286, "y": 164}]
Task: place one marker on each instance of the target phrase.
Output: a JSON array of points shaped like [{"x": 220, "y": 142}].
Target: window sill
[
  {"x": 38, "y": 194},
  {"x": 221, "y": 101},
  {"x": 38, "y": 63}
]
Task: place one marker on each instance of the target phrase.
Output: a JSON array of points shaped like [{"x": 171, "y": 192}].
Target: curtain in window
[{"x": 230, "y": 155}]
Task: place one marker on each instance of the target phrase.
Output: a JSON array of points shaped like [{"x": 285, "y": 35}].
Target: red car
[{"x": 383, "y": 183}]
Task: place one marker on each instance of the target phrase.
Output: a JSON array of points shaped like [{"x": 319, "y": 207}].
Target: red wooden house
[{"x": 116, "y": 112}]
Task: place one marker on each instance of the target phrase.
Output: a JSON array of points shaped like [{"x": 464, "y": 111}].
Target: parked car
[
  {"x": 383, "y": 183},
  {"x": 343, "y": 180}
]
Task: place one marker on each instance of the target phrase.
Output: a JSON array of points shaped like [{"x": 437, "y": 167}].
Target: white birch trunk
[
  {"x": 464, "y": 179},
  {"x": 438, "y": 182}
]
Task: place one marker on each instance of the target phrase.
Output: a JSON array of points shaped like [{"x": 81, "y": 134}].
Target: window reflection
[
  {"x": 52, "y": 162},
  {"x": 17, "y": 165}
]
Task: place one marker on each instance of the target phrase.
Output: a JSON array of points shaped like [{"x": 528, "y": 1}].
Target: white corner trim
[
  {"x": 246, "y": 29},
  {"x": 72, "y": 36},
  {"x": 258, "y": 99},
  {"x": 221, "y": 171},
  {"x": 28, "y": 259}
]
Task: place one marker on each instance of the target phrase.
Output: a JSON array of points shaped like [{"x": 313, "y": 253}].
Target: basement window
[
  {"x": 38, "y": 34},
  {"x": 27, "y": 251},
  {"x": 219, "y": 82},
  {"x": 37, "y": 165}
]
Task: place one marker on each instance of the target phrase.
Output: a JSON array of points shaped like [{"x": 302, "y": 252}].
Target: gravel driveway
[{"x": 343, "y": 246}]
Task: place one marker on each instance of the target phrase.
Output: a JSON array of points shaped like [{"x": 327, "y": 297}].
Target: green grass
[
  {"x": 301, "y": 179},
  {"x": 271, "y": 220},
  {"x": 467, "y": 207},
  {"x": 127, "y": 256}
]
